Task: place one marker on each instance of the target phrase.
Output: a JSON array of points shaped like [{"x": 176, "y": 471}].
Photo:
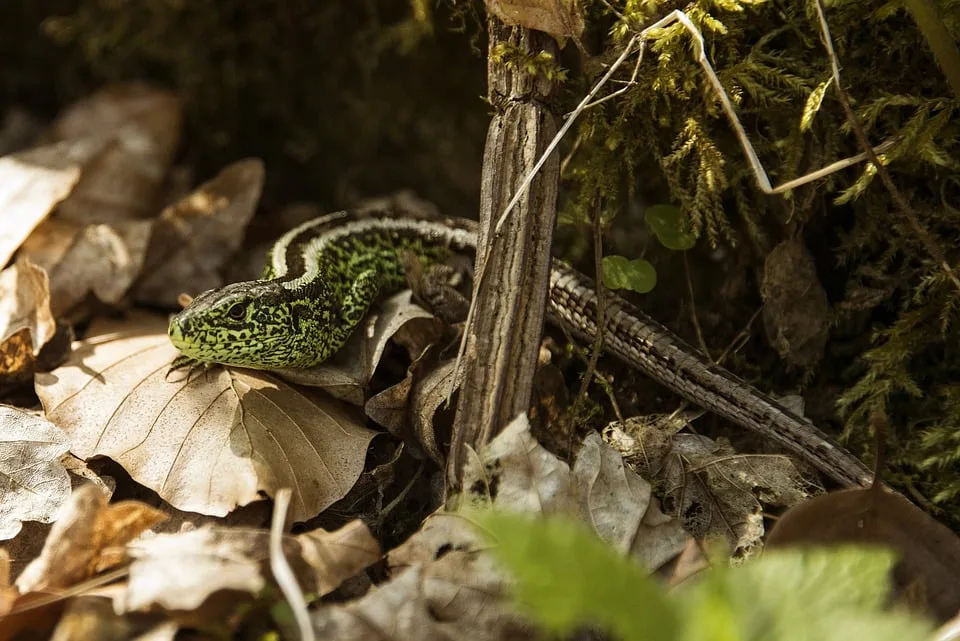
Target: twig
[
  {"x": 693, "y": 308},
  {"x": 905, "y": 210},
  {"x": 601, "y": 303}
]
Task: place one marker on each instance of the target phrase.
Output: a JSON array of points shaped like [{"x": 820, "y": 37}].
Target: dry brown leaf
[
  {"x": 620, "y": 507},
  {"x": 194, "y": 237},
  {"x": 348, "y": 373},
  {"x": 441, "y": 532},
  {"x": 336, "y": 556},
  {"x": 408, "y": 408},
  {"x": 720, "y": 493},
  {"x": 713, "y": 489},
  {"x": 25, "y": 304},
  {"x": 87, "y": 538},
  {"x": 92, "y": 618},
  {"x": 796, "y": 313},
  {"x": 32, "y": 182},
  {"x": 180, "y": 571},
  {"x": 33, "y": 483},
  {"x": 50, "y": 242},
  {"x": 559, "y": 18},
  {"x": 519, "y": 474},
  {"x": 206, "y": 442},
  {"x": 104, "y": 260},
  {"x": 141, "y": 125},
  {"x": 460, "y": 596}
]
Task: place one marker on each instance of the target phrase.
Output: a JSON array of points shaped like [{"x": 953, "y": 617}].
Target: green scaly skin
[
  {"x": 324, "y": 275},
  {"x": 278, "y": 321}
]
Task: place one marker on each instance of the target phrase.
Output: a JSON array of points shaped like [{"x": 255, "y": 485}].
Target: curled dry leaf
[
  {"x": 208, "y": 441},
  {"x": 795, "y": 309},
  {"x": 25, "y": 304},
  {"x": 620, "y": 507},
  {"x": 141, "y": 125},
  {"x": 517, "y": 473},
  {"x": 103, "y": 259},
  {"x": 180, "y": 571},
  {"x": 460, "y": 596},
  {"x": 33, "y": 483},
  {"x": 87, "y": 538},
  {"x": 441, "y": 533},
  {"x": 559, "y": 18},
  {"x": 194, "y": 237},
  {"x": 408, "y": 409},
  {"x": 32, "y": 182},
  {"x": 348, "y": 373},
  {"x": 336, "y": 556}
]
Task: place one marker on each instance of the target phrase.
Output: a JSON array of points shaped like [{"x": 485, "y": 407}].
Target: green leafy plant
[
  {"x": 637, "y": 275},
  {"x": 566, "y": 577}
]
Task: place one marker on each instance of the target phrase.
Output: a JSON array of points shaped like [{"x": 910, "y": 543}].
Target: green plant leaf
[
  {"x": 619, "y": 272},
  {"x": 669, "y": 226},
  {"x": 833, "y": 594},
  {"x": 566, "y": 577}
]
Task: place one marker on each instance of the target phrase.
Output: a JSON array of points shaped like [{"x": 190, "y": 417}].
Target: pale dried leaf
[
  {"x": 141, "y": 125},
  {"x": 620, "y": 508},
  {"x": 461, "y": 596},
  {"x": 180, "y": 571},
  {"x": 721, "y": 494},
  {"x": 25, "y": 304},
  {"x": 32, "y": 182},
  {"x": 194, "y": 237},
  {"x": 87, "y": 538},
  {"x": 441, "y": 532},
  {"x": 50, "y": 242},
  {"x": 645, "y": 441},
  {"x": 336, "y": 556},
  {"x": 559, "y": 18},
  {"x": 206, "y": 442},
  {"x": 104, "y": 260},
  {"x": 408, "y": 409},
  {"x": 33, "y": 483},
  {"x": 348, "y": 373},
  {"x": 517, "y": 473}
]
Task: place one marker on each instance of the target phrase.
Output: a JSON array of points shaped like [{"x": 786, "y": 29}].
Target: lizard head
[{"x": 243, "y": 324}]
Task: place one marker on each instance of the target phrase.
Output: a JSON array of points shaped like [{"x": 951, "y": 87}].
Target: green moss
[{"x": 667, "y": 140}]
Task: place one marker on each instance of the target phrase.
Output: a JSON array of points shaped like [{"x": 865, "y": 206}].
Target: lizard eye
[{"x": 237, "y": 312}]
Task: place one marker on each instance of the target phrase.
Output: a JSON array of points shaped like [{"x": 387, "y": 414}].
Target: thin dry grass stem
[{"x": 284, "y": 576}]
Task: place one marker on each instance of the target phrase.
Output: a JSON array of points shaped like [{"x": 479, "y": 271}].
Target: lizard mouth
[{"x": 224, "y": 346}]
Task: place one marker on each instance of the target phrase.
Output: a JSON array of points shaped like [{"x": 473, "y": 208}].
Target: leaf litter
[{"x": 212, "y": 440}]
